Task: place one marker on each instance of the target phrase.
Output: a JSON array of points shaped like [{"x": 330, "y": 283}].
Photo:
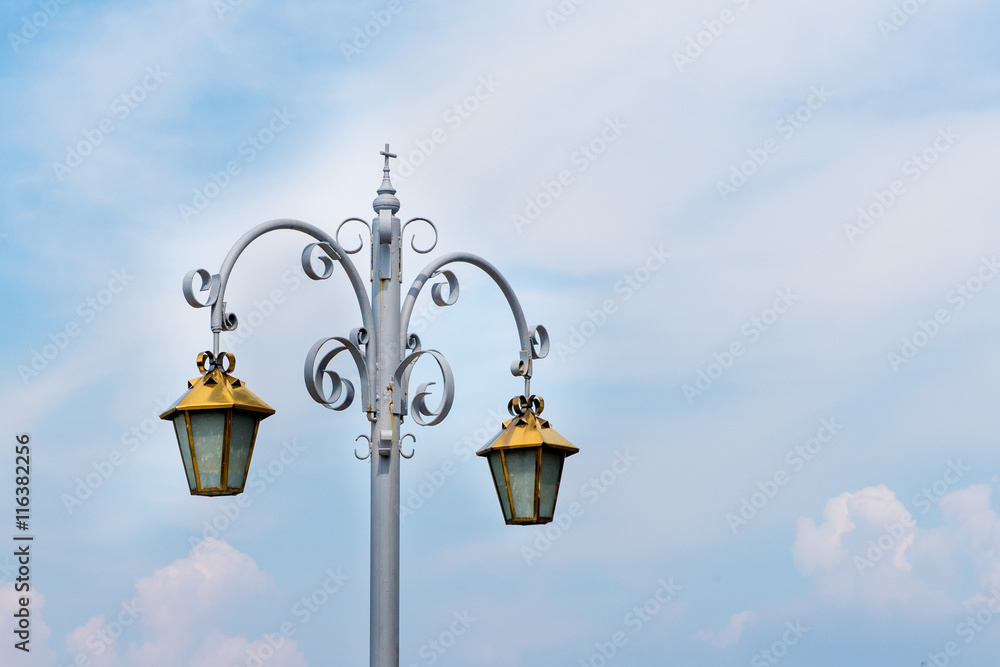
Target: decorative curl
[
  {"x": 359, "y": 336},
  {"x": 361, "y": 240},
  {"x": 209, "y": 283},
  {"x": 208, "y": 362},
  {"x": 520, "y": 405},
  {"x": 229, "y": 320},
  {"x": 418, "y": 408},
  {"x": 326, "y": 260},
  {"x": 451, "y": 297},
  {"x": 413, "y": 239},
  {"x": 356, "y": 455},
  {"x": 341, "y": 393},
  {"x": 412, "y": 450},
  {"x": 538, "y": 336}
]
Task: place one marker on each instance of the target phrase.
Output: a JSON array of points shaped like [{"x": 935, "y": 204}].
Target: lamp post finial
[{"x": 386, "y": 193}]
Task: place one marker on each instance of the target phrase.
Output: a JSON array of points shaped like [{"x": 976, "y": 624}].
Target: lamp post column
[{"x": 385, "y": 457}]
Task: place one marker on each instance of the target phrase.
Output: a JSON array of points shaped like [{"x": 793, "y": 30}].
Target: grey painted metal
[
  {"x": 384, "y": 355},
  {"x": 384, "y": 611}
]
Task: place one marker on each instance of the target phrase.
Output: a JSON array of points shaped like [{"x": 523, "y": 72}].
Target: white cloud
[
  {"x": 875, "y": 508},
  {"x": 972, "y": 524},
  {"x": 274, "y": 651},
  {"x": 869, "y": 553},
  {"x": 88, "y": 640},
  {"x": 175, "y": 607},
  {"x": 730, "y": 634}
]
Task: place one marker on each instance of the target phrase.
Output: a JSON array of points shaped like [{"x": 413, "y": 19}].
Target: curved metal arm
[
  {"x": 522, "y": 366},
  {"x": 339, "y": 254}
]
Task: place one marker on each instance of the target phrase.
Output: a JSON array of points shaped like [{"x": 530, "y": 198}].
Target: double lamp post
[{"x": 216, "y": 421}]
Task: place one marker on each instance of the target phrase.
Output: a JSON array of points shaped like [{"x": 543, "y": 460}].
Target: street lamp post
[{"x": 216, "y": 421}]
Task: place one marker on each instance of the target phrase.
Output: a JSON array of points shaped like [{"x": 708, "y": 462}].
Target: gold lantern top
[{"x": 216, "y": 389}]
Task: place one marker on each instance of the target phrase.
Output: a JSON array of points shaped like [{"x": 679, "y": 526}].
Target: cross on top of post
[
  {"x": 387, "y": 155},
  {"x": 386, "y": 193}
]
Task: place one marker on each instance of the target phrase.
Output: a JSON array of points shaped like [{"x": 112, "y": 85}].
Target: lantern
[
  {"x": 526, "y": 460},
  {"x": 216, "y": 425}
]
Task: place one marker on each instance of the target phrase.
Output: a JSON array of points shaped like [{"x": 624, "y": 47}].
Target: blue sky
[{"x": 762, "y": 237}]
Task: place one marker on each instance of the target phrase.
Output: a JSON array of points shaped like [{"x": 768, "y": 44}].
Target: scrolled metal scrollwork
[
  {"x": 359, "y": 336},
  {"x": 437, "y": 289},
  {"x": 209, "y": 283},
  {"x": 520, "y": 405},
  {"x": 412, "y": 450},
  {"x": 229, "y": 320},
  {"x": 342, "y": 391},
  {"x": 528, "y": 349},
  {"x": 538, "y": 336},
  {"x": 223, "y": 361},
  {"x": 361, "y": 240},
  {"x": 418, "y": 408},
  {"x": 326, "y": 260},
  {"x": 358, "y": 456},
  {"x": 413, "y": 239}
]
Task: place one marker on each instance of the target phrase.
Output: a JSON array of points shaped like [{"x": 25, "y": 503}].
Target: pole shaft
[{"x": 385, "y": 458}]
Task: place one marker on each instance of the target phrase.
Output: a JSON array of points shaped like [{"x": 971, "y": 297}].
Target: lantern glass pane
[
  {"x": 496, "y": 467},
  {"x": 552, "y": 463},
  {"x": 240, "y": 440},
  {"x": 180, "y": 426},
  {"x": 208, "y": 430},
  {"x": 521, "y": 473}
]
